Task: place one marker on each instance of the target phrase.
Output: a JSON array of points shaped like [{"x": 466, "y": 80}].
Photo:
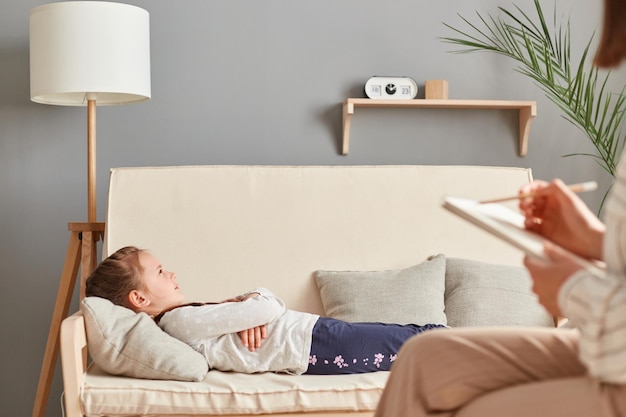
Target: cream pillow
[
  {"x": 123, "y": 342},
  {"x": 412, "y": 295}
]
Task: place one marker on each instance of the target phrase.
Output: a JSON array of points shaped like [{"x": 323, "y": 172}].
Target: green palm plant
[{"x": 544, "y": 55}]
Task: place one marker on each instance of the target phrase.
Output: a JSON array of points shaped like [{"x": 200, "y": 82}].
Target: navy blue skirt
[{"x": 339, "y": 347}]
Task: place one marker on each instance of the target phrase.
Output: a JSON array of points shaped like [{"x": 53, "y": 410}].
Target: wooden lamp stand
[
  {"x": 81, "y": 51},
  {"x": 81, "y": 251}
]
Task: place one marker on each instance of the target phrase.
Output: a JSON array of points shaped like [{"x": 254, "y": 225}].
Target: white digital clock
[{"x": 403, "y": 88}]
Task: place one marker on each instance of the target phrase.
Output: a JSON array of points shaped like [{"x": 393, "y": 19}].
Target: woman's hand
[
  {"x": 558, "y": 214},
  {"x": 549, "y": 276}
]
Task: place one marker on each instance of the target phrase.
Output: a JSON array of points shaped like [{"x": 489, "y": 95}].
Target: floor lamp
[{"x": 83, "y": 53}]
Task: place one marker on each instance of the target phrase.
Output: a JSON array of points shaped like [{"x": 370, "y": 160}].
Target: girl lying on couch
[{"x": 229, "y": 333}]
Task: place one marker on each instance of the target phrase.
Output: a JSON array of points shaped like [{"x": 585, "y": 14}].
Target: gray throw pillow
[
  {"x": 412, "y": 295},
  {"x": 123, "y": 342},
  {"x": 483, "y": 294}
]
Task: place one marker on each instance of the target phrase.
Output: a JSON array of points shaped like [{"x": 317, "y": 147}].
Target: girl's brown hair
[
  {"x": 116, "y": 276},
  {"x": 612, "y": 47}
]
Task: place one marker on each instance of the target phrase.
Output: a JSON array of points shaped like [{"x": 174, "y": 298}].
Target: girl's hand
[
  {"x": 240, "y": 298},
  {"x": 558, "y": 214},
  {"x": 249, "y": 295},
  {"x": 252, "y": 338},
  {"x": 549, "y": 276}
]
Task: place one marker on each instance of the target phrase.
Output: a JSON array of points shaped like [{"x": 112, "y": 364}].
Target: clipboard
[{"x": 508, "y": 225}]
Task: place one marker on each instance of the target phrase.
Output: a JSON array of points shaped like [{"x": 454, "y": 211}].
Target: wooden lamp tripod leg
[
  {"x": 81, "y": 250},
  {"x": 61, "y": 307}
]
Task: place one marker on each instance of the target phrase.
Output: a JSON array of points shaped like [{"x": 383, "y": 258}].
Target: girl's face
[{"x": 159, "y": 288}]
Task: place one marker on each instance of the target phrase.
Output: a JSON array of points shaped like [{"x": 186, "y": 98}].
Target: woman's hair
[
  {"x": 612, "y": 46},
  {"x": 116, "y": 276}
]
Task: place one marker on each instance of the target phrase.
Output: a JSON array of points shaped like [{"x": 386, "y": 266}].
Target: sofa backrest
[{"x": 228, "y": 229}]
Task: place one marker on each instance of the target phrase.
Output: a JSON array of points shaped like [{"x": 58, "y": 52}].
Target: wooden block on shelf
[{"x": 436, "y": 89}]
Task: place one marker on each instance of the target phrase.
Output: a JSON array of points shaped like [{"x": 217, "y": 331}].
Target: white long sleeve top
[
  {"x": 597, "y": 305},
  {"x": 211, "y": 329}
]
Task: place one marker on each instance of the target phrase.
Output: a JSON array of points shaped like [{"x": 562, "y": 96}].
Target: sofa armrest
[{"x": 74, "y": 361}]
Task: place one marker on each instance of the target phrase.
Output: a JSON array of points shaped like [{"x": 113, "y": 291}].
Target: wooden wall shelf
[{"x": 527, "y": 112}]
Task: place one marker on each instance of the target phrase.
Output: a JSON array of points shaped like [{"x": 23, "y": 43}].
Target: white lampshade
[{"x": 82, "y": 50}]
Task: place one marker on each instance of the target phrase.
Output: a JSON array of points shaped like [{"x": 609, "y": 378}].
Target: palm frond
[{"x": 544, "y": 54}]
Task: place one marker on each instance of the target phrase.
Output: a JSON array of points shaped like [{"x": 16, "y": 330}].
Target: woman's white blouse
[{"x": 597, "y": 305}]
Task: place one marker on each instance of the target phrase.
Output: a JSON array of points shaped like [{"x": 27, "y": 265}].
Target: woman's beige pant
[{"x": 503, "y": 372}]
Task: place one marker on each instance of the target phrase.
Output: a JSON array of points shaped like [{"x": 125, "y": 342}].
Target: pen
[{"x": 577, "y": 188}]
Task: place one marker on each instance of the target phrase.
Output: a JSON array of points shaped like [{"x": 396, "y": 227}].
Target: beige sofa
[{"x": 228, "y": 229}]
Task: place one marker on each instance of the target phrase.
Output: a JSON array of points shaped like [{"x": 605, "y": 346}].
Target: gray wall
[{"x": 249, "y": 82}]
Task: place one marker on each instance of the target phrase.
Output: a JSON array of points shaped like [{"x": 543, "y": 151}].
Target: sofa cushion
[
  {"x": 484, "y": 294},
  {"x": 412, "y": 295},
  {"x": 232, "y": 393},
  {"x": 123, "y": 342}
]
